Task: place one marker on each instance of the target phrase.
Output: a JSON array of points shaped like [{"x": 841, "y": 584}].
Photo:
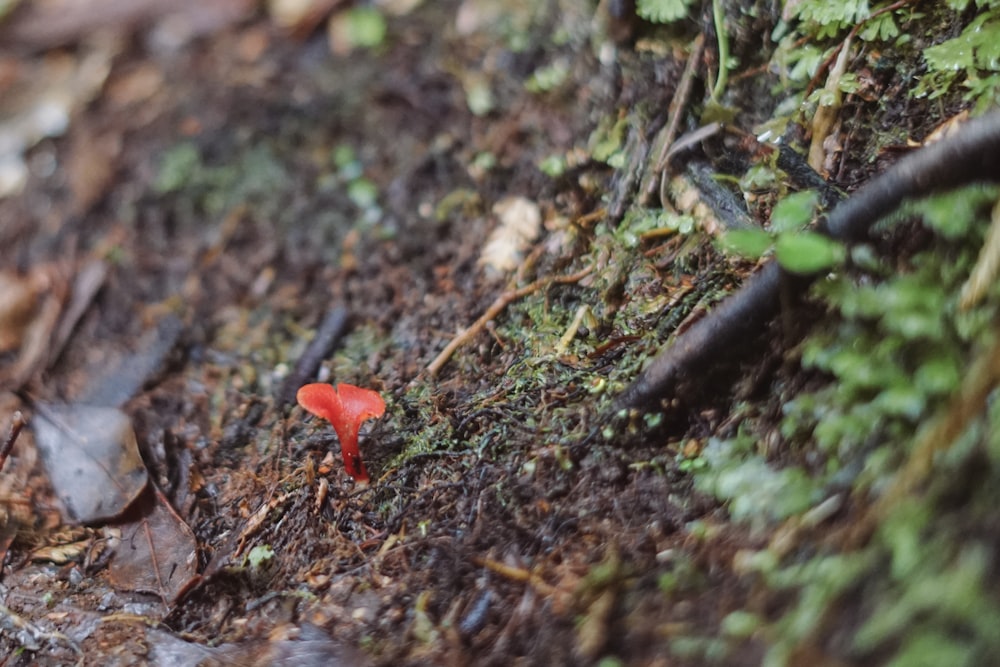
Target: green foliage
[
  {"x": 259, "y": 556},
  {"x": 952, "y": 214},
  {"x": 251, "y": 175},
  {"x": 740, "y": 624},
  {"x": 749, "y": 243},
  {"x": 897, "y": 353},
  {"x": 549, "y": 77},
  {"x": 794, "y": 212},
  {"x": 972, "y": 58},
  {"x": 663, "y": 11},
  {"x": 638, "y": 222},
  {"x": 807, "y": 253},
  {"x": 607, "y": 139},
  {"x": 755, "y": 492},
  {"x": 823, "y": 19},
  {"x": 552, "y": 165},
  {"x": 797, "y": 250},
  {"x": 177, "y": 168},
  {"x": 366, "y": 27}
]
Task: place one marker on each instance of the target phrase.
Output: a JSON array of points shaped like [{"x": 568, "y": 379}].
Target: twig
[
  {"x": 825, "y": 116},
  {"x": 16, "y": 425},
  {"x": 677, "y": 106},
  {"x": 517, "y": 574},
  {"x": 497, "y": 307},
  {"x": 571, "y": 331},
  {"x": 972, "y": 155}
]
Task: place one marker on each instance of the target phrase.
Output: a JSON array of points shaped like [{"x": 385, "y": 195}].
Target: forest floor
[{"x": 220, "y": 190}]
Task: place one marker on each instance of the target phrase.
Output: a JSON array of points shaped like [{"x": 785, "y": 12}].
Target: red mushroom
[{"x": 346, "y": 407}]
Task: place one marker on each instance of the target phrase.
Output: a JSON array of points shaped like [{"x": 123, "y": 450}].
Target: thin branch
[
  {"x": 972, "y": 155},
  {"x": 678, "y": 104},
  {"x": 517, "y": 574},
  {"x": 17, "y": 423}
]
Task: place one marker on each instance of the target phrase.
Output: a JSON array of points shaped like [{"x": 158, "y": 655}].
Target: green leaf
[
  {"x": 749, "y": 243},
  {"x": 939, "y": 375},
  {"x": 548, "y": 77},
  {"x": 903, "y": 401},
  {"x": 553, "y": 165},
  {"x": 662, "y": 11},
  {"x": 177, "y": 168},
  {"x": 259, "y": 555},
  {"x": 605, "y": 142},
  {"x": 366, "y": 26},
  {"x": 952, "y": 214},
  {"x": 362, "y": 192},
  {"x": 807, "y": 252},
  {"x": 794, "y": 211}
]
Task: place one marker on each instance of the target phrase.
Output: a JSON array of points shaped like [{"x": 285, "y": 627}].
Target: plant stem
[{"x": 719, "y": 16}]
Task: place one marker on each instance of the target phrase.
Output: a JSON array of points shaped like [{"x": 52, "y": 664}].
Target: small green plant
[
  {"x": 364, "y": 27},
  {"x": 797, "y": 249},
  {"x": 663, "y": 11},
  {"x": 259, "y": 556},
  {"x": 821, "y": 19},
  {"x": 639, "y": 223},
  {"x": 549, "y": 77},
  {"x": 972, "y": 59}
]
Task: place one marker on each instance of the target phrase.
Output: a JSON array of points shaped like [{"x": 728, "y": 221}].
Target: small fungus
[{"x": 346, "y": 407}]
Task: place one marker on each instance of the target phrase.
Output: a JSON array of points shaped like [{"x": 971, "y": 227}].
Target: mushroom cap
[
  {"x": 360, "y": 404},
  {"x": 346, "y": 407}
]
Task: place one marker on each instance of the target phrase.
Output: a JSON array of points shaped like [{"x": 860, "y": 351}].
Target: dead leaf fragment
[
  {"x": 40, "y": 103},
  {"x": 19, "y": 299},
  {"x": 30, "y": 306}
]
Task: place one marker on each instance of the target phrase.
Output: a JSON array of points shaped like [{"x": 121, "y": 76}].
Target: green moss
[{"x": 897, "y": 351}]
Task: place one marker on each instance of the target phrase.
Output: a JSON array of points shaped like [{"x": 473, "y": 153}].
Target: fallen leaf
[
  {"x": 91, "y": 457},
  {"x": 157, "y": 552}
]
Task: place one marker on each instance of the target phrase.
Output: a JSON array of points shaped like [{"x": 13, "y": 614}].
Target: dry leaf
[
  {"x": 92, "y": 459},
  {"x": 157, "y": 553}
]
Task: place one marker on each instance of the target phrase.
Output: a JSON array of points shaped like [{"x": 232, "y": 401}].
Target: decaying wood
[{"x": 972, "y": 155}]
